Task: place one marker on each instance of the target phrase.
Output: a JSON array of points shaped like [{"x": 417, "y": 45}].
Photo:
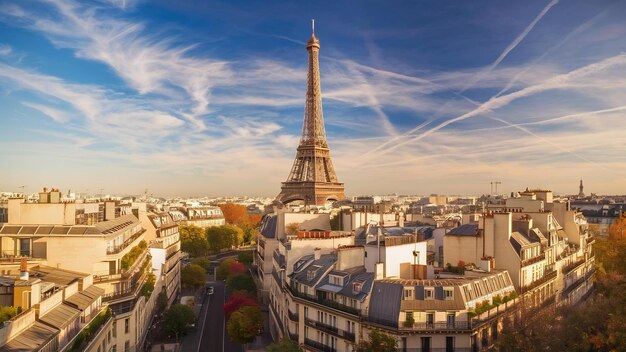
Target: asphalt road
[{"x": 214, "y": 337}]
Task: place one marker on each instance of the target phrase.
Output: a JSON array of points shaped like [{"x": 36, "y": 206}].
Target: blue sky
[{"x": 207, "y": 97}]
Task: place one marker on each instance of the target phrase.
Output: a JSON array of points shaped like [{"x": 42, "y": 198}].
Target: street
[{"x": 213, "y": 335}]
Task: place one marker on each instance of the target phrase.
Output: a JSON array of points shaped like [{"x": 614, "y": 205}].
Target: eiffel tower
[{"x": 312, "y": 178}]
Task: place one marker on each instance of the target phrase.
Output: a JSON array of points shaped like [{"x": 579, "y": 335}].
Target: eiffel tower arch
[{"x": 312, "y": 178}]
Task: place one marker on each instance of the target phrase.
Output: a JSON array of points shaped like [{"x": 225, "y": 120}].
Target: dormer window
[
  {"x": 357, "y": 286},
  {"x": 336, "y": 280},
  {"x": 429, "y": 293},
  {"x": 310, "y": 274},
  {"x": 408, "y": 293},
  {"x": 448, "y": 294}
]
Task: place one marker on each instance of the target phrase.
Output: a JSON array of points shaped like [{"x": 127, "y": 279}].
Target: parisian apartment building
[
  {"x": 68, "y": 265},
  {"x": 444, "y": 285}
]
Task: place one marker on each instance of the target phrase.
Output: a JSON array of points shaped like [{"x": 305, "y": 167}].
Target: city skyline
[{"x": 208, "y": 99}]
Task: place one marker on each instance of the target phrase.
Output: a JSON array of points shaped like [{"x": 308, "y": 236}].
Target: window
[
  {"x": 408, "y": 293},
  {"x": 429, "y": 293},
  {"x": 448, "y": 293},
  {"x": 430, "y": 318},
  {"x": 450, "y": 320},
  {"x": 127, "y": 346},
  {"x": 126, "y": 325},
  {"x": 115, "y": 329},
  {"x": 357, "y": 286}
]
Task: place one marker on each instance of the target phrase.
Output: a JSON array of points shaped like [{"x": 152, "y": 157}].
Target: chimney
[
  {"x": 23, "y": 270},
  {"x": 44, "y": 197},
  {"x": 317, "y": 253}
]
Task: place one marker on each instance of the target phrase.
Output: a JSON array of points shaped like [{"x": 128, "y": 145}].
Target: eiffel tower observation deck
[{"x": 312, "y": 178}]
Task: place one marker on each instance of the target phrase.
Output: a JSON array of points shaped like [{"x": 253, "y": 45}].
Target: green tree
[
  {"x": 378, "y": 341},
  {"x": 241, "y": 282},
  {"x": 193, "y": 240},
  {"x": 285, "y": 345},
  {"x": 245, "y": 324},
  {"x": 7, "y": 312},
  {"x": 223, "y": 270},
  {"x": 192, "y": 276},
  {"x": 203, "y": 262},
  {"x": 245, "y": 257},
  {"x": 177, "y": 319},
  {"x": 148, "y": 286},
  {"x": 161, "y": 303},
  {"x": 223, "y": 237}
]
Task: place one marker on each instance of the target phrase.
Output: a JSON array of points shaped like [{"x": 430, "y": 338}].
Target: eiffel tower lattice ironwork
[{"x": 312, "y": 178}]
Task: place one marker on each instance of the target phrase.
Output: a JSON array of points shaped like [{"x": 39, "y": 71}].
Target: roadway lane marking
[
  {"x": 206, "y": 310},
  {"x": 224, "y": 326}
]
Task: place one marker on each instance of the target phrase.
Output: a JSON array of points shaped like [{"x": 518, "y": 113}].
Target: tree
[
  {"x": 193, "y": 240},
  {"x": 292, "y": 229},
  {"x": 378, "y": 341},
  {"x": 203, "y": 262},
  {"x": 177, "y": 319},
  {"x": 236, "y": 214},
  {"x": 223, "y": 270},
  {"x": 237, "y": 301},
  {"x": 245, "y": 324},
  {"x": 245, "y": 257},
  {"x": 192, "y": 276},
  {"x": 161, "y": 303},
  {"x": 250, "y": 233},
  {"x": 222, "y": 237},
  {"x": 241, "y": 282},
  {"x": 285, "y": 345}
]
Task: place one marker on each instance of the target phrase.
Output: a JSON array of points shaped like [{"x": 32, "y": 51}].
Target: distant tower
[
  {"x": 312, "y": 178},
  {"x": 581, "y": 194}
]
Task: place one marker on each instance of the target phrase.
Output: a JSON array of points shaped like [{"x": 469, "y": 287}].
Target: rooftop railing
[{"x": 121, "y": 247}]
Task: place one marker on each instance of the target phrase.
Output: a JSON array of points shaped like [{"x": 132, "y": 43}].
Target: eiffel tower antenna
[
  {"x": 312, "y": 178},
  {"x": 313, "y": 25}
]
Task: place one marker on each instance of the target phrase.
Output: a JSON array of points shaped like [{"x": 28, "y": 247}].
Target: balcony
[
  {"x": 330, "y": 329},
  {"x": 90, "y": 332},
  {"x": 318, "y": 346},
  {"x": 547, "y": 276},
  {"x": 438, "y": 326},
  {"x": 578, "y": 282},
  {"x": 293, "y": 316},
  {"x": 574, "y": 265},
  {"x": 325, "y": 303},
  {"x": 121, "y": 247},
  {"x": 124, "y": 274},
  {"x": 136, "y": 281},
  {"x": 534, "y": 260}
]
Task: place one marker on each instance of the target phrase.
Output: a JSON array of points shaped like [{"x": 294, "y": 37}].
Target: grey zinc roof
[
  {"x": 320, "y": 266},
  {"x": 366, "y": 278},
  {"x": 60, "y": 316},
  {"x": 268, "y": 226},
  {"x": 384, "y": 307},
  {"x": 31, "y": 339},
  {"x": 465, "y": 230}
]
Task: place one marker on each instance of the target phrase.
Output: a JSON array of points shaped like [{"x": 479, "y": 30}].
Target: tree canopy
[
  {"x": 378, "y": 341},
  {"x": 245, "y": 324},
  {"x": 193, "y": 240},
  {"x": 284, "y": 345},
  {"x": 177, "y": 319},
  {"x": 241, "y": 282},
  {"x": 237, "y": 301},
  {"x": 236, "y": 214},
  {"x": 223, "y": 237},
  {"x": 192, "y": 276}
]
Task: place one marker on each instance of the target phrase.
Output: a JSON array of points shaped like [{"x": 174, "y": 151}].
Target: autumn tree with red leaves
[{"x": 237, "y": 301}]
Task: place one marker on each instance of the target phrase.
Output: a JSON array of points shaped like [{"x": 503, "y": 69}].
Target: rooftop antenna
[{"x": 313, "y": 25}]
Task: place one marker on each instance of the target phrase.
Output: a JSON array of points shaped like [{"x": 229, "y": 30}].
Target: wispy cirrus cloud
[{"x": 174, "y": 106}]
